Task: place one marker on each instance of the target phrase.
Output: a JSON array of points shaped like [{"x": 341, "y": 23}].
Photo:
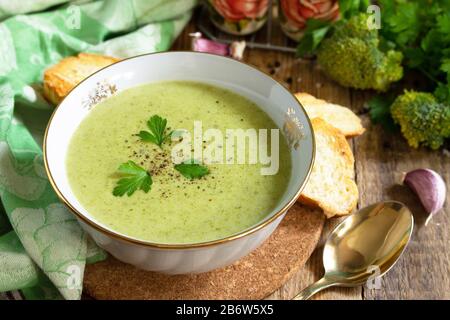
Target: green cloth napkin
[{"x": 42, "y": 247}]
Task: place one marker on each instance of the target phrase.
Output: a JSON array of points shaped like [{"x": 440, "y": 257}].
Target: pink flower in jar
[
  {"x": 235, "y": 10},
  {"x": 297, "y": 12}
]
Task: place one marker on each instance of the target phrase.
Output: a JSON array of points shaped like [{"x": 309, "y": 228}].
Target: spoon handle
[{"x": 306, "y": 293}]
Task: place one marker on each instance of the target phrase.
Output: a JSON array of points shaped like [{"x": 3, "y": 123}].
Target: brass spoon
[{"x": 370, "y": 240}]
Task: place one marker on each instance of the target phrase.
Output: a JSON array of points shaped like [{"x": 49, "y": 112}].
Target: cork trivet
[{"x": 253, "y": 277}]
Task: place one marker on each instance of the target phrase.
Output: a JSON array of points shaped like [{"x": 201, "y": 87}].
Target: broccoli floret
[
  {"x": 351, "y": 56},
  {"x": 423, "y": 120}
]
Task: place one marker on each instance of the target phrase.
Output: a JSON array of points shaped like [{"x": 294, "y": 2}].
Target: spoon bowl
[{"x": 367, "y": 243}]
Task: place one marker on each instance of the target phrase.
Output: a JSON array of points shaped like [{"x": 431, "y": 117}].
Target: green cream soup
[{"x": 231, "y": 198}]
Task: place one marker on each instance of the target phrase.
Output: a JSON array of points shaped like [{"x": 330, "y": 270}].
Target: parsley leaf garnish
[
  {"x": 134, "y": 178},
  {"x": 191, "y": 170},
  {"x": 157, "y": 133}
]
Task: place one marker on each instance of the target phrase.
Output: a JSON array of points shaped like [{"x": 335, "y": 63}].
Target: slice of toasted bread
[
  {"x": 331, "y": 185},
  {"x": 66, "y": 74},
  {"x": 338, "y": 116}
]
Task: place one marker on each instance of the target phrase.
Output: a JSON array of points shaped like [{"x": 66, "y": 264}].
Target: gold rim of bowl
[{"x": 131, "y": 240}]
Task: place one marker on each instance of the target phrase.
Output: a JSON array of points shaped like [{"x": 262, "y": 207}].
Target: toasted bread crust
[
  {"x": 338, "y": 116},
  {"x": 331, "y": 185},
  {"x": 62, "y": 77}
]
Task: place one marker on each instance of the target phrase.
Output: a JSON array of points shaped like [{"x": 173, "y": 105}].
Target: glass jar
[
  {"x": 238, "y": 17},
  {"x": 295, "y": 13}
]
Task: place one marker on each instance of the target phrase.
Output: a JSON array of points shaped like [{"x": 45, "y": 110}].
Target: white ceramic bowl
[{"x": 243, "y": 79}]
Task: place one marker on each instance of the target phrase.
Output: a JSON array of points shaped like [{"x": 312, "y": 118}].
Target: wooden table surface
[{"x": 423, "y": 271}]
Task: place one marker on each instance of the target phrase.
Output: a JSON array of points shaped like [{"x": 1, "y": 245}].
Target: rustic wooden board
[{"x": 423, "y": 270}]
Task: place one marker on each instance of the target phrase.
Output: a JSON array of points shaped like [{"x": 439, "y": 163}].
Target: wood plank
[{"x": 422, "y": 272}]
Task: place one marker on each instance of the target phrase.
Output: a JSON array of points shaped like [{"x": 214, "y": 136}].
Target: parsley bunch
[
  {"x": 414, "y": 35},
  {"x": 421, "y": 30}
]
